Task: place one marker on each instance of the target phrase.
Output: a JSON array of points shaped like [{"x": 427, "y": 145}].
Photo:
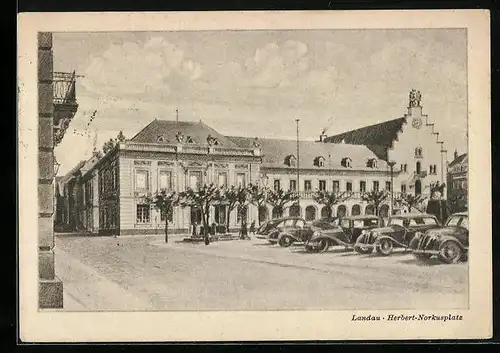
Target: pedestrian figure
[
  {"x": 244, "y": 231},
  {"x": 193, "y": 234},
  {"x": 252, "y": 228}
]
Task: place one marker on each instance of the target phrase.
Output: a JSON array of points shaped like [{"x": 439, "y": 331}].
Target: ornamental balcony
[{"x": 64, "y": 100}]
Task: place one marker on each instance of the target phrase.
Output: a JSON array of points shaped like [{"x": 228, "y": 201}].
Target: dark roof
[
  {"x": 198, "y": 131},
  {"x": 457, "y": 160},
  {"x": 378, "y": 137},
  {"x": 275, "y": 151}
]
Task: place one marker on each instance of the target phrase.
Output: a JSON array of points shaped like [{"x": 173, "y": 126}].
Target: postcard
[{"x": 254, "y": 176}]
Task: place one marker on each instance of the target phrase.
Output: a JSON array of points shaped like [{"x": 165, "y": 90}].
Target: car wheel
[
  {"x": 323, "y": 245},
  {"x": 422, "y": 257},
  {"x": 311, "y": 247},
  {"x": 385, "y": 247},
  {"x": 285, "y": 241},
  {"x": 450, "y": 252},
  {"x": 363, "y": 249}
]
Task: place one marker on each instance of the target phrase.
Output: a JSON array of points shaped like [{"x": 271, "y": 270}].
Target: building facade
[
  {"x": 404, "y": 155},
  {"x": 457, "y": 182}
]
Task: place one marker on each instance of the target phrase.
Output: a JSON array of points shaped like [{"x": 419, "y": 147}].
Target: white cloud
[{"x": 131, "y": 69}]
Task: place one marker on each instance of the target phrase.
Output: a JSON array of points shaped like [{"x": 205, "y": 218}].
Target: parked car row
[{"x": 422, "y": 234}]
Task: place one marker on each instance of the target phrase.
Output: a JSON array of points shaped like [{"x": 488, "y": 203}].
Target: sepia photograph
[{"x": 255, "y": 170}]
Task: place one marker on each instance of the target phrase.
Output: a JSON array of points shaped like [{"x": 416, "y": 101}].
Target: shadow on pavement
[
  {"x": 430, "y": 262},
  {"x": 331, "y": 251}
]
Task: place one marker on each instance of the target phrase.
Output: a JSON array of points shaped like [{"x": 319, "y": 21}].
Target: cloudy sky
[{"x": 255, "y": 83}]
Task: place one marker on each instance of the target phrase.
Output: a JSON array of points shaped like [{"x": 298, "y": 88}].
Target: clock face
[{"x": 417, "y": 123}]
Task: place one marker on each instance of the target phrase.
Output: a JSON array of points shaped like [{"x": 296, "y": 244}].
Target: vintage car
[
  {"x": 398, "y": 232},
  {"x": 349, "y": 230},
  {"x": 298, "y": 231},
  {"x": 450, "y": 243},
  {"x": 267, "y": 227},
  {"x": 285, "y": 225}
]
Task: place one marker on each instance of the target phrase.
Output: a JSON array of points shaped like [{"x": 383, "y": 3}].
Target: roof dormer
[
  {"x": 371, "y": 163},
  {"x": 346, "y": 162},
  {"x": 291, "y": 160},
  {"x": 189, "y": 139},
  {"x": 319, "y": 161}
]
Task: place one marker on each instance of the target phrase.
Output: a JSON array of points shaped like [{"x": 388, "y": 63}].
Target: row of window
[
  {"x": 335, "y": 185},
  {"x": 195, "y": 179},
  {"x": 459, "y": 184}
]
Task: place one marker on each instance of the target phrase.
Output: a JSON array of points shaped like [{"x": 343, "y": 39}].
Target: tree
[
  {"x": 229, "y": 196},
  {"x": 457, "y": 200},
  {"x": 243, "y": 197},
  {"x": 330, "y": 198},
  {"x": 258, "y": 196},
  {"x": 281, "y": 199},
  {"x": 375, "y": 198},
  {"x": 203, "y": 198},
  {"x": 164, "y": 201},
  {"x": 111, "y": 143},
  {"x": 411, "y": 201},
  {"x": 108, "y": 146}
]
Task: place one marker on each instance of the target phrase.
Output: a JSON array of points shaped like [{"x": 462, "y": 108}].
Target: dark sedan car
[
  {"x": 268, "y": 227},
  {"x": 399, "y": 232},
  {"x": 284, "y": 225},
  {"x": 297, "y": 231},
  {"x": 450, "y": 243},
  {"x": 350, "y": 229}
]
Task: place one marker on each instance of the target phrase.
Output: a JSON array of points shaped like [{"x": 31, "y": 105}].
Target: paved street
[{"x": 143, "y": 273}]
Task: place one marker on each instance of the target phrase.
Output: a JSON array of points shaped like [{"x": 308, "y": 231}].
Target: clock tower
[{"x": 415, "y": 109}]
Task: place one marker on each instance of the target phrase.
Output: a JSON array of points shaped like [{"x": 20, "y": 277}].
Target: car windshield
[
  {"x": 300, "y": 223},
  {"x": 458, "y": 221},
  {"x": 358, "y": 223},
  {"x": 345, "y": 223},
  {"x": 371, "y": 222},
  {"x": 397, "y": 221}
]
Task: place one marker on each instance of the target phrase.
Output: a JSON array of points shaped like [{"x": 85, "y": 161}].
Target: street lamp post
[{"x": 391, "y": 164}]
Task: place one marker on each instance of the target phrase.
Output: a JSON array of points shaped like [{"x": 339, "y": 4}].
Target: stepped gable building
[
  {"x": 403, "y": 154},
  {"x": 410, "y": 143}
]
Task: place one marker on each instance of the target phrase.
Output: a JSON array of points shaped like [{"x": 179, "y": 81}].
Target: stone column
[{"x": 50, "y": 293}]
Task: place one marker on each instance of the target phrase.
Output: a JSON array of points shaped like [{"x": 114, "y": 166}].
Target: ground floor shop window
[
  {"x": 143, "y": 213},
  {"x": 220, "y": 214}
]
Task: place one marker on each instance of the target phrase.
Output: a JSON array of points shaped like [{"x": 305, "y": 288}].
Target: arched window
[
  {"x": 418, "y": 152},
  {"x": 325, "y": 212},
  {"x": 263, "y": 214},
  {"x": 356, "y": 210},
  {"x": 294, "y": 211},
  {"x": 341, "y": 211},
  {"x": 277, "y": 212},
  {"x": 310, "y": 213}
]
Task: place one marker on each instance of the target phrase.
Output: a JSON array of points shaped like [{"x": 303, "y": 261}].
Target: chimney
[{"x": 455, "y": 155}]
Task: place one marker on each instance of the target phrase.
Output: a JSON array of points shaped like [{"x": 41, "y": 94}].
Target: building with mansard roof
[{"x": 404, "y": 155}]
